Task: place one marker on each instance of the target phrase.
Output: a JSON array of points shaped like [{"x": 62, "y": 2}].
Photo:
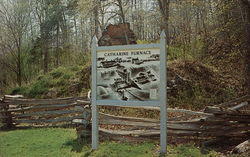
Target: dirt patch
[{"x": 208, "y": 86}]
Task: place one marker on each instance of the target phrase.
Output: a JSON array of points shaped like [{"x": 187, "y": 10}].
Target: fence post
[
  {"x": 5, "y": 115},
  {"x": 2, "y": 115}
]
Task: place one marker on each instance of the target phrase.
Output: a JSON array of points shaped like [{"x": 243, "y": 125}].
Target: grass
[
  {"x": 188, "y": 151},
  {"x": 36, "y": 143},
  {"x": 114, "y": 149},
  {"x": 58, "y": 142}
]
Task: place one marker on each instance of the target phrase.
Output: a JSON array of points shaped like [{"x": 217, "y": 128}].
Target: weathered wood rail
[
  {"x": 227, "y": 120},
  {"x": 15, "y": 110}
]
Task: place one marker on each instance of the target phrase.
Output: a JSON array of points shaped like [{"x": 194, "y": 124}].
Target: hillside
[
  {"x": 201, "y": 84},
  {"x": 60, "y": 82}
]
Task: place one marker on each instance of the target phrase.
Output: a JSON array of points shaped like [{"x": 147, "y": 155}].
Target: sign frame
[{"x": 161, "y": 103}]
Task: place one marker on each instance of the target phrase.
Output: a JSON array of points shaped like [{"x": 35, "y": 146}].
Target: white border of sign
[{"x": 163, "y": 94}]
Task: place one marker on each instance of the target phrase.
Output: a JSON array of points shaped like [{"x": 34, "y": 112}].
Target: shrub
[
  {"x": 39, "y": 88},
  {"x": 67, "y": 76},
  {"x": 57, "y": 72},
  {"x": 19, "y": 90},
  {"x": 61, "y": 81}
]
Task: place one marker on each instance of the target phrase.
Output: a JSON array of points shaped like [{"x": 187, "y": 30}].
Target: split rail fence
[
  {"x": 224, "y": 121},
  {"x": 16, "y": 111}
]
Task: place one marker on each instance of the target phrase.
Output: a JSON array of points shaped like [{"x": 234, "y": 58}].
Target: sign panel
[{"x": 128, "y": 75}]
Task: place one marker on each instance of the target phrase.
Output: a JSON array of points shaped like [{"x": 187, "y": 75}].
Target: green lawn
[{"x": 58, "y": 142}]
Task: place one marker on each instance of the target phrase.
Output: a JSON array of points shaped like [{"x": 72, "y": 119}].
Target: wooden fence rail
[
  {"x": 215, "y": 122},
  {"x": 226, "y": 120},
  {"x": 15, "y": 110}
]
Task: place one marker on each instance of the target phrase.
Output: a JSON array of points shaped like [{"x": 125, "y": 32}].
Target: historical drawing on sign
[{"x": 132, "y": 75}]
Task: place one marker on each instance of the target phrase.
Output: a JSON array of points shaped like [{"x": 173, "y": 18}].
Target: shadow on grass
[
  {"x": 23, "y": 127},
  {"x": 78, "y": 145},
  {"x": 87, "y": 154}
]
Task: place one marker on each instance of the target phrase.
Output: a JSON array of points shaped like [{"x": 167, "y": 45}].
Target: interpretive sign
[{"x": 130, "y": 75}]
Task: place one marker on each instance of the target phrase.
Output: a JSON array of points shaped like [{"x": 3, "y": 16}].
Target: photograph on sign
[{"x": 130, "y": 75}]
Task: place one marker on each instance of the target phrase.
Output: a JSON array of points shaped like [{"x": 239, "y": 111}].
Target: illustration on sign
[{"x": 132, "y": 75}]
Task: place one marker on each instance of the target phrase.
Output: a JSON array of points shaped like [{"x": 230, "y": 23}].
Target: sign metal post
[{"x": 163, "y": 92}]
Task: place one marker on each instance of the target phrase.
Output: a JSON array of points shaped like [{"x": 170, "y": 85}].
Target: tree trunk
[
  {"x": 44, "y": 30},
  {"x": 64, "y": 28},
  {"x": 122, "y": 16},
  {"x": 57, "y": 44},
  {"x": 45, "y": 36},
  {"x": 19, "y": 68},
  {"x": 246, "y": 7},
  {"x": 164, "y": 8},
  {"x": 76, "y": 31},
  {"x": 46, "y": 55},
  {"x": 96, "y": 19}
]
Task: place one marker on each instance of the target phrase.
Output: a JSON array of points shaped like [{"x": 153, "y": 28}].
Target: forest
[{"x": 208, "y": 44}]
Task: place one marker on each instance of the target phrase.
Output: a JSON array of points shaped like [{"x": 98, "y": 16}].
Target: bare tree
[{"x": 14, "y": 15}]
